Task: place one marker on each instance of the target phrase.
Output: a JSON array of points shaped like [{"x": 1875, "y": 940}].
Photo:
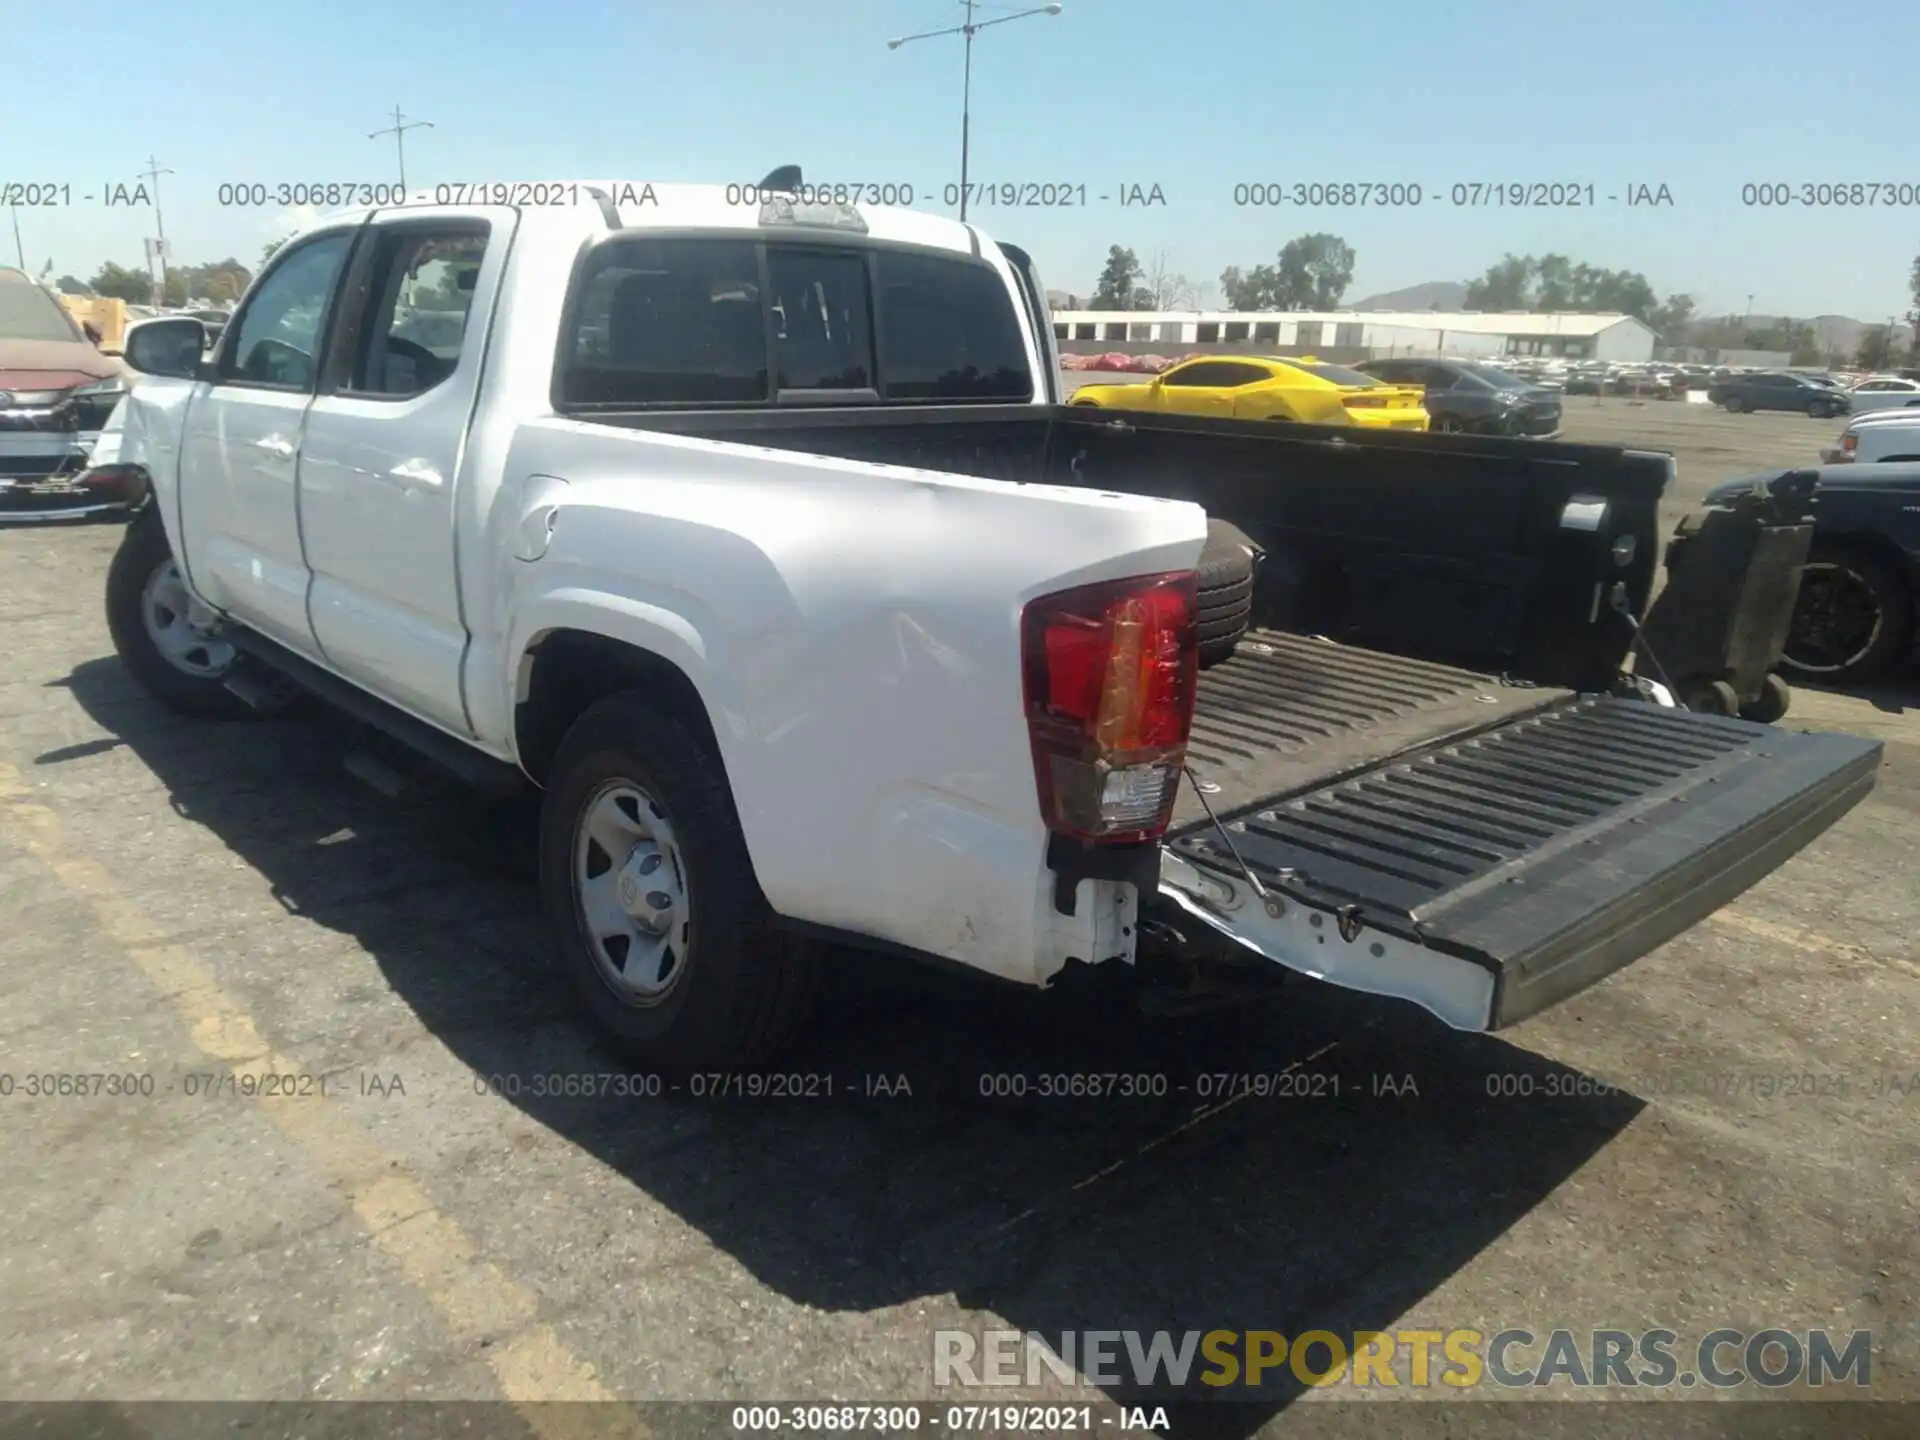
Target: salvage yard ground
[{"x": 182, "y": 900}]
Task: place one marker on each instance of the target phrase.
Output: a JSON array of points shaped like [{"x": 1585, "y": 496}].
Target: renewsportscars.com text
[{"x": 1514, "y": 1358}]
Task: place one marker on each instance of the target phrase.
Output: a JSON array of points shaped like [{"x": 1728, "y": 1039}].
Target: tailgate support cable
[
  {"x": 1274, "y": 907},
  {"x": 1618, "y": 600}
]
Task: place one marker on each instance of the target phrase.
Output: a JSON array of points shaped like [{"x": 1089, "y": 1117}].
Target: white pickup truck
[{"x": 756, "y": 537}]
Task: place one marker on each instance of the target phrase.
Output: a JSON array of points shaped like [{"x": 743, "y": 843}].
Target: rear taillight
[
  {"x": 1849, "y": 442},
  {"x": 1364, "y": 402},
  {"x": 1110, "y": 672}
]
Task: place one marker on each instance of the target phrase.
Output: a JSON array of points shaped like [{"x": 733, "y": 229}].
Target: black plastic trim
[
  {"x": 482, "y": 771},
  {"x": 856, "y": 940},
  {"x": 608, "y": 211},
  {"x": 1072, "y": 861}
]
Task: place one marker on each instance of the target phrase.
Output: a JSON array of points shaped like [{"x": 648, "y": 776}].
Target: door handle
[
  {"x": 417, "y": 472},
  {"x": 277, "y": 446}
]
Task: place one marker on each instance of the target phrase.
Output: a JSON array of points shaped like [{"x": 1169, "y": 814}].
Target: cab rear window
[{"x": 697, "y": 321}]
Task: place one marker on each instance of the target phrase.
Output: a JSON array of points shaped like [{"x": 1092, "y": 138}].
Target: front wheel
[
  {"x": 1853, "y": 619},
  {"x": 169, "y": 642},
  {"x": 657, "y": 918}
]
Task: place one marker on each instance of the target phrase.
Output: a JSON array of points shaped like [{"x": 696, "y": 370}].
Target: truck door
[
  {"x": 383, "y": 449},
  {"x": 240, "y": 444}
]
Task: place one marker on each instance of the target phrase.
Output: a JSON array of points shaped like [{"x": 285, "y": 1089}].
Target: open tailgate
[{"x": 1489, "y": 876}]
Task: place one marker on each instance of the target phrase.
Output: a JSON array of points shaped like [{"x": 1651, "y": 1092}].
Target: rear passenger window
[
  {"x": 948, "y": 331},
  {"x": 668, "y": 322},
  {"x": 822, "y": 320}
]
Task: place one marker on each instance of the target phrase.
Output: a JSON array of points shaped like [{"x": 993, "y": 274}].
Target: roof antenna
[{"x": 786, "y": 179}]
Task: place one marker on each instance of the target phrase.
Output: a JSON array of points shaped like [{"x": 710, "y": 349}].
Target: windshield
[
  {"x": 1332, "y": 374},
  {"x": 29, "y": 313}
]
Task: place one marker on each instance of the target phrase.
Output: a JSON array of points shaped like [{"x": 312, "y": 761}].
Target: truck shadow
[{"x": 1377, "y": 1159}]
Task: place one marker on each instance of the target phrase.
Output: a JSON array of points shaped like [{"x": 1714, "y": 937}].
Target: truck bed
[{"x": 1290, "y": 712}]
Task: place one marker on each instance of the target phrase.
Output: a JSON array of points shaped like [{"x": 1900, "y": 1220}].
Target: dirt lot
[{"x": 189, "y": 908}]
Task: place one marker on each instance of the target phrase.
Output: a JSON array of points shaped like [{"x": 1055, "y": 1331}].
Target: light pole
[
  {"x": 399, "y": 130},
  {"x": 153, "y": 172},
  {"x": 969, "y": 30},
  {"x": 19, "y": 249}
]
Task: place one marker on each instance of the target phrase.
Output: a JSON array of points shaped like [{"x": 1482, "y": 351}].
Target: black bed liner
[{"x": 1288, "y": 712}]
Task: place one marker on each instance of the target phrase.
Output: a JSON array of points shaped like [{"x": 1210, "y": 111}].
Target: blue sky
[{"x": 1193, "y": 95}]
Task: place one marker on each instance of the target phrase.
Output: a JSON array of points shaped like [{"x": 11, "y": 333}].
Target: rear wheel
[
  {"x": 1224, "y": 605},
  {"x": 169, "y": 642},
  {"x": 1853, "y": 620},
  {"x": 657, "y": 919},
  {"x": 1735, "y": 404}
]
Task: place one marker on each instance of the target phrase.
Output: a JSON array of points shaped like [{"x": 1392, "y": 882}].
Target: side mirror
[{"x": 169, "y": 346}]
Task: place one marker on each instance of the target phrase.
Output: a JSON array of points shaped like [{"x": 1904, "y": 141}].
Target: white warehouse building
[{"x": 1383, "y": 332}]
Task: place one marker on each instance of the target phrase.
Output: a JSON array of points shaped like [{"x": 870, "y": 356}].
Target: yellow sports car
[{"x": 1267, "y": 387}]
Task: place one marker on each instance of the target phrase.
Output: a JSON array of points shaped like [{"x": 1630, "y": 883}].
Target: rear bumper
[{"x": 1492, "y": 877}]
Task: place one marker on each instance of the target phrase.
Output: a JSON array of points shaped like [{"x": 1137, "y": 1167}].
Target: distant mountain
[
  {"x": 1835, "y": 334},
  {"x": 1433, "y": 295},
  {"x": 1842, "y": 332}
]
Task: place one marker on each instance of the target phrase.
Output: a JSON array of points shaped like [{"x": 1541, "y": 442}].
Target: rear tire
[
  {"x": 1224, "y": 605},
  {"x": 164, "y": 637},
  {"x": 1853, "y": 620},
  {"x": 658, "y": 921},
  {"x": 1735, "y": 405}
]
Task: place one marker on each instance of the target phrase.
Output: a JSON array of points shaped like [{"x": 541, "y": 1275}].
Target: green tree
[
  {"x": 1311, "y": 272},
  {"x": 1315, "y": 271},
  {"x": 1876, "y": 349},
  {"x": 1505, "y": 286},
  {"x": 1255, "y": 289},
  {"x": 71, "y": 285},
  {"x": 1913, "y": 315},
  {"x": 1555, "y": 283},
  {"x": 1118, "y": 287},
  {"x": 220, "y": 281},
  {"x": 123, "y": 283},
  {"x": 266, "y": 252},
  {"x": 1672, "y": 319}
]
